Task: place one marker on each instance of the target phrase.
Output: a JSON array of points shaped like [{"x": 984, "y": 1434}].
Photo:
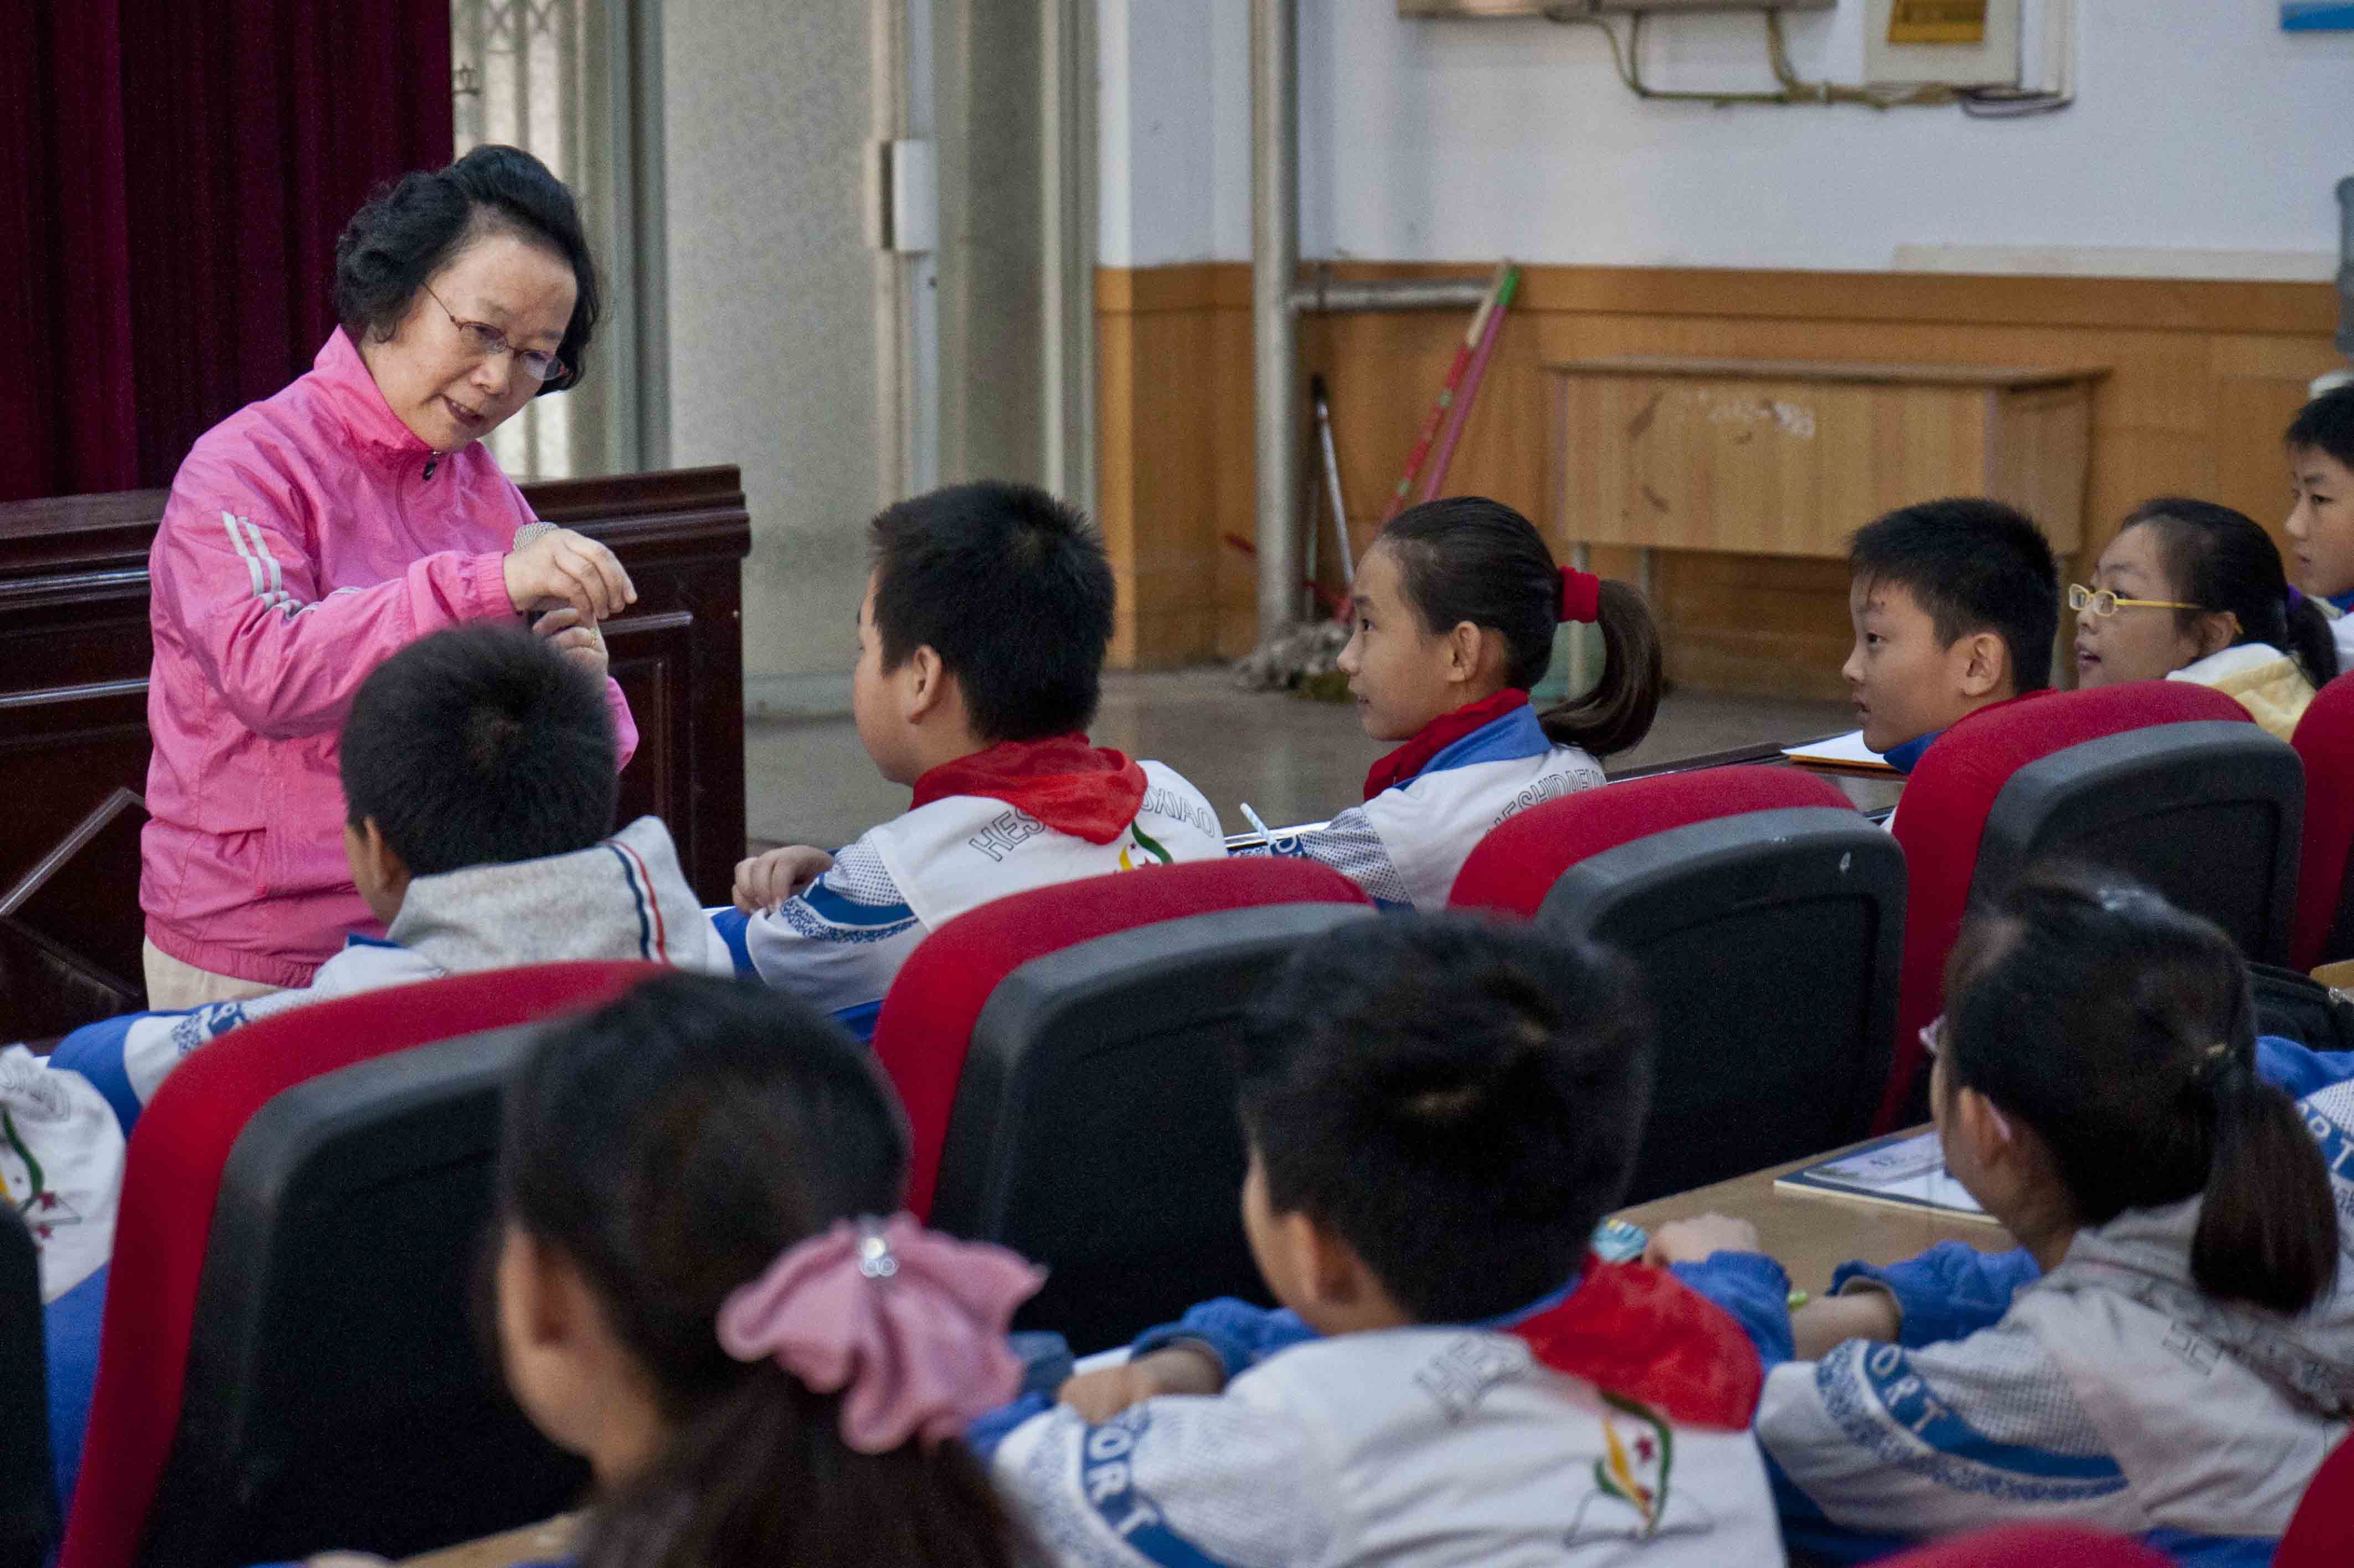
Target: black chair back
[
  {"x": 1771, "y": 944},
  {"x": 1094, "y": 1126},
  {"x": 340, "y": 1389},
  {"x": 29, "y": 1512},
  {"x": 2210, "y": 814}
]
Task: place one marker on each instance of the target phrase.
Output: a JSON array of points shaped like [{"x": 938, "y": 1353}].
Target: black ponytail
[
  {"x": 1467, "y": 558},
  {"x": 2222, "y": 562},
  {"x": 671, "y": 1147},
  {"x": 2268, "y": 1227},
  {"x": 2123, "y": 1032}
]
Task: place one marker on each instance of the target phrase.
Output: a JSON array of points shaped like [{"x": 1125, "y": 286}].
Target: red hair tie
[{"x": 1581, "y": 596}]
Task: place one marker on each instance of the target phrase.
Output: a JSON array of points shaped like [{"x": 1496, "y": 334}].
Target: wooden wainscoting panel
[{"x": 2202, "y": 378}]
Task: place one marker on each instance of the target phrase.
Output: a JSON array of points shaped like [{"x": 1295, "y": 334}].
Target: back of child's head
[
  {"x": 2220, "y": 560},
  {"x": 1012, "y": 590},
  {"x": 2326, "y": 425},
  {"x": 1466, "y": 558},
  {"x": 672, "y": 1147},
  {"x": 1459, "y": 1100},
  {"x": 480, "y": 746},
  {"x": 2122, "y": 1030},
  {"x": 1972, "y": 565}
]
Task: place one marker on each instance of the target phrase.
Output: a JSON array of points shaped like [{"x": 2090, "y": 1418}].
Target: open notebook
[
  {"x": 1838, "y": 751},
  {"x": 1904, "y": 1170}
]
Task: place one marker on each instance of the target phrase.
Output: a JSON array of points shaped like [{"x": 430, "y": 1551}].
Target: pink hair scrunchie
[
  {"x": 911, "y": 1322},
  {"x": 1581, "y": 596}
]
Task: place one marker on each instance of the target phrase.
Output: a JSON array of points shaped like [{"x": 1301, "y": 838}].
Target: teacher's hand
[
  {"x": 572, "y": 569},
  {"x": 578, "y": 640}
]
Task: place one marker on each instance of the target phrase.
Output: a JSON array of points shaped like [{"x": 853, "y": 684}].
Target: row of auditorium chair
[{"x": 292, "y": 1356}]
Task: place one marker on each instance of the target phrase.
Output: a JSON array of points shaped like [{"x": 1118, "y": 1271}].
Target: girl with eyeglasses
[
  {"x": 311, "y": 535},
  {"x": 2192, "y": 591},
  {"x": 2170, "y": 1352}
]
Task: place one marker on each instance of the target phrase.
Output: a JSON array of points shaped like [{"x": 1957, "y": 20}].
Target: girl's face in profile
[{"x": 1402, "y": 674}]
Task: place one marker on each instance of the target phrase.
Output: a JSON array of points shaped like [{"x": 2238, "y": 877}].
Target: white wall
[
  {"x": 2199, "y": 126},
  {"x": 771, "y": 307}
]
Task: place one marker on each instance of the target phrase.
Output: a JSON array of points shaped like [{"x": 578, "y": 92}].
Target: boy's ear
[
  {"x": 1334, "y": 1271},
  {"x": 1982, "y": 665},
  {"x": 923, "y": 682},
  {"x": 390, "y": 872}
]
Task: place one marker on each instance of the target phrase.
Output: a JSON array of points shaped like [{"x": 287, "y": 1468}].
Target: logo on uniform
[{"x": 1631, "y": 1499}]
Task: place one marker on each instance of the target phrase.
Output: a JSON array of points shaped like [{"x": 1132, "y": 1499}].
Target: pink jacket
[{"x": 309, "y": 536}]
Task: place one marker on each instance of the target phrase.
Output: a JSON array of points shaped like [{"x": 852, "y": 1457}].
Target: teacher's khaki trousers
[{"x": 174, "y": 986}]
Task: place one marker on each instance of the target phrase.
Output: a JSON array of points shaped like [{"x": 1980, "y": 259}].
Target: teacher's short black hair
[
  {"x": 478, "y": 747},
  {"x": 1010, "y": 588},
  {"x": 1458, "y": 1099},
  {"x": 413, "y": 226}
]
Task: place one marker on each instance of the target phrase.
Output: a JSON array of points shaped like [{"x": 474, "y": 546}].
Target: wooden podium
[
  {"x": 1788, "y": 458},
  {"x": 74, "y": 653}
]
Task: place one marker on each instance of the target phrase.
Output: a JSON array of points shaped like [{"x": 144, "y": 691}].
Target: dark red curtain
[{"x": 171, "y": 180}]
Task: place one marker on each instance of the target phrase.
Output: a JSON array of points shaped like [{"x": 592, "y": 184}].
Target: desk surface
[{"x": 1813, "y": 1235}]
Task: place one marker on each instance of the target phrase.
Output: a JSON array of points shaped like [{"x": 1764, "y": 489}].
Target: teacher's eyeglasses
[
  {"x": 2105, "y": 602},
  {"x": 489, "y": 342}
]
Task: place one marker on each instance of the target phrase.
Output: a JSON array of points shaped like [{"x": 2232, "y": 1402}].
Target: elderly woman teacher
[{"x": 313, "y": 533}]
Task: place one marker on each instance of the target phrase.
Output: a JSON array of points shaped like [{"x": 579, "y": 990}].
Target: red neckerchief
[
  {"x": 1436, "y": 735},
  {"x": 1645, "y": 1335},
  {"x": 1092, "y": 792}
]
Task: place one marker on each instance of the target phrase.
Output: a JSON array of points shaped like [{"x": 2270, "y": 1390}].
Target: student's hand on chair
[
  {"x": 765, "y": 881},
  {"x": 1691, "y": 1241},
  {"x": 578, "y": 640},
  {"x": 1101, "y": 1394}
]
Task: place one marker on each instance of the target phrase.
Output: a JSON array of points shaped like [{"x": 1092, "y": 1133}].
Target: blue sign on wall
[{"x": 2318, "y": 15}]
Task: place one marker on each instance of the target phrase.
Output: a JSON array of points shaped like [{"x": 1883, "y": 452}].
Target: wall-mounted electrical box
[
  {"x": 1963, "y": 43},
  {"x": 1594, "y": 8}
]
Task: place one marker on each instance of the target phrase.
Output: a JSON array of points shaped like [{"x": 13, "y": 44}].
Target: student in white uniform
[
  {"x": 2170, "y": 1356},
  {"x": 981, "y": 649},
  {"x": 1439, "y": 1110},
  {"x": 1455, "y": 611},
  {"x": 2192, "y": 591}
]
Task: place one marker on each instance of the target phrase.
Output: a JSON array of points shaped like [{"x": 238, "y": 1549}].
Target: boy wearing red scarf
[{"x": 981, "y": 647}]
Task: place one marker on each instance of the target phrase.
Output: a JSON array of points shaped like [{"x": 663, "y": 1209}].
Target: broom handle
[
  {"x": 1446, "y": 398},
  {"x": 1459, "y": 415}
]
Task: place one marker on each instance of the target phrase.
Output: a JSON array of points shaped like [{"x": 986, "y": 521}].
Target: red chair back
[
  {"x": 1942, "y": 820},
  {"x": 173, "y": 1175},
  {"x": 2321, "y": 1532},
  {"x": 2324, "y": 892},
  {"x": 1517, "y": 862},
  {"x": 2034, "y": 1546},
  {"x": 925, "y": 1030}
]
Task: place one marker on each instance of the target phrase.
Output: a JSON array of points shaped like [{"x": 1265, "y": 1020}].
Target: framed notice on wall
[{"x": 1937, "y": 22}]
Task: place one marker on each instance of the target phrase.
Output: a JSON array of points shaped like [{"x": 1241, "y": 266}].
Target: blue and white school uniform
[
  {"x": 1056, "y": 817},
  {"x": 1405, "y": 845},
  {"x": 2110, "y": 1393}
]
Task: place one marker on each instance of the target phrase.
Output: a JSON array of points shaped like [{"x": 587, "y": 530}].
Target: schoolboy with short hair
[
  {"x": 2320, "y": 443},
  {"x": 1439, "y": 1111},
  {"x": 478, "y": 769},
  {"x": 1955, "y": 605},
  {"x": 981, "y": 648}
]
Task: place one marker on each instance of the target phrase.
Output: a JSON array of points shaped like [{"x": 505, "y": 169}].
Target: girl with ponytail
[
  {"x": 2192, "y": 591},
  {"x": 701, "y": 1290},
  {"x": 2170, "y": 1353},
  {"x": 1454, "y": 615}
]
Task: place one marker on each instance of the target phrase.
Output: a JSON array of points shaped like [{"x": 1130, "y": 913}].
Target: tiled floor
[{"x": 808, "y": 781}]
